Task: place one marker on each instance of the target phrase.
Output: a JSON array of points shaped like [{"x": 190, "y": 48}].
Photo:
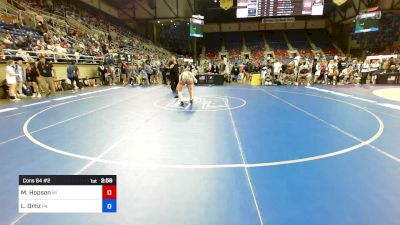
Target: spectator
[
  {"x": 20, "y": 72},
  {"x": 364, "y": 71},
  {"x": 32, "y": 78},
  {"x": 39, "y": 19},
  {"x": 149, "y": 71},
  {"x": 144, "y": 76},
  {"x": 25, "y": 56},
  {"x": 102, "y": 70},
  {"x": 48, "y": 74},
  {"x": 7, "y": 41},
  {"x": 345, "y": 76},
  {"x": 73, "y": 75},
  {"x": 21, "y": 19},
  {"x": 109, "y": 37},
  {"x": 124, "y": 73},
  {"x": 235, "y": 72},
  {"x": 11, "y": 78},
  {"x": 110, "y": 75},
  {"x": 214, "y": 69},
  {"x": 304, "y": 73},
  {"x": 318, "y": 75},
  {"x": 133, "y": 75},
  {"x": 164, "y": 72},
  {"x": 2, "y": 53}
]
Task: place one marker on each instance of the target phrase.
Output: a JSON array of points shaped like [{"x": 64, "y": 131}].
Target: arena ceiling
[
  {"x": 154, "y": 9},
  {"x": 141, "y": 10}
]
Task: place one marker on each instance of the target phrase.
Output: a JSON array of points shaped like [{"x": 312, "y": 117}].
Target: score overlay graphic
[{"x": 67, "y": 194}]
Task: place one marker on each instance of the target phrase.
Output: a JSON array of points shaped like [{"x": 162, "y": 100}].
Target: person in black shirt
[
  {"x": 102, "y": 73},
  {"x": 342, "y": 64},
  {"x": 32, "y": 78},
  {"x": 173, "y": 74},
  {"x": 214, "y": 69},
  {"x": 47, "y": 73},
  {"x": 164, "y": 73},
  {"x": 235, "y": 72},
  {"x": 109, "y": 37}
]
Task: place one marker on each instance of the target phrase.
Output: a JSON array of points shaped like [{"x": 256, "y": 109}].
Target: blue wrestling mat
[{"x": 237, "y": 156}]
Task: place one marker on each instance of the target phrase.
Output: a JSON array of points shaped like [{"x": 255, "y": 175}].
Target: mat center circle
[{"x": 202, "y": 103}]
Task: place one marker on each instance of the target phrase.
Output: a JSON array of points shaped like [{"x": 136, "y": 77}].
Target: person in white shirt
[
  {"x": 263, "y": 73},
  {"x": 289, "y": 76},
  {"x": 333, "y": 72},
  {"x": 187, "y": 79},
  {"x": 304, "y": 73},
  {"x": 277, "y": 69},
  {"x": 11, "y": 78},
  {"x": 317, "y": 74},
  {"x": 364, "y": 71},
  {"x": 20, "y": 72},
  {"x": 374, "y": 66},
  {"x": 296, "y": 65},
  {"x": 346, "y": 76}
]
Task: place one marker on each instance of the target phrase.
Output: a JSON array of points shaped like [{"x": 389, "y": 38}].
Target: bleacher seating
[
  {"x": 213, "y": 44},
  {"x": 276, "y": 40},
  {"x": 277, "y": 43},
  {"x": 281, "y": 53},
  {"x": 331, "y": 51},
  {"x": 306, "y": 53},
  {"x": 211, "y": 55},
  {"x": 298, "y": 39},
  {"x": 257, "y": 54},
  {"x": 63, "y": 41},
  {"x": 255, "y": 41},
  {"x": 234, "y": 54},
  {"x": 15, "y": 31},
  {"x": 255, "y": 44},
  {"x": 233, "y": 41},
  {"x": 321, "y": 39},
  {"x": 174, "y": 36}
]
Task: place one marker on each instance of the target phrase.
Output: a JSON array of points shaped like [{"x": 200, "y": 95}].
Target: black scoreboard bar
[{"x": 67, "y": 179}]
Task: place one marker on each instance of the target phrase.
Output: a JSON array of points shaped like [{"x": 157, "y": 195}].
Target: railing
[
  {"x": 29, "y": 8},
  {"x": 32, "y": 56},
  {"x": 32, "y": 12},
  {"x": 11, "y": 10},
  {"x": 56, "y": 19}
]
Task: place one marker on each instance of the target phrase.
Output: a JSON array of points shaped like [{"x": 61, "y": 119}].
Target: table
[
  {"x": 387, "y": 78},
  {"x": 210, "y": 79}
]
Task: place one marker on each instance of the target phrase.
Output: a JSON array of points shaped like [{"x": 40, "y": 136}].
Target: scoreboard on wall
[
  {"x": 267, "y": 8},
  {"x": 196, "y": 26},
  {"x": 67, "y": 194}
]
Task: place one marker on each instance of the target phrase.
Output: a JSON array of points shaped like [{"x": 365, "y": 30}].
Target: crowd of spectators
[
  {"x": 62, "y": 41},
  {"x": 302, "y": 70},
  {"x": 54, "y": 39}
]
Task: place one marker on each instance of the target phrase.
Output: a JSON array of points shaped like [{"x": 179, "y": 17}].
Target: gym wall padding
[{"x": 86, "y": 71}]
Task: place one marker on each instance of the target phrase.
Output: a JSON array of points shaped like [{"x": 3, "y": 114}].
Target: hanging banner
[
  {"x": 226, "y": 4},
  {"x": 339, "y": 2}
]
